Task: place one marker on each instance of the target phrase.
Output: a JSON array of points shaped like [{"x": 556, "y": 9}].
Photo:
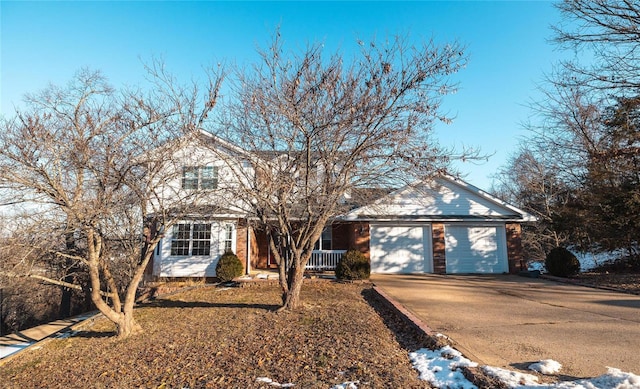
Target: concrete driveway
[{"x": 510, "y": 321}]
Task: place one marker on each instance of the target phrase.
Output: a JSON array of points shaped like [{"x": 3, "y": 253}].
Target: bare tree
[
  {"x": 29, "y": 301},
  {"x": 607, "y": 29},
  {"x": 585, "y": 136},
  {"x": 89, "y": 161},
  {"x": 325, "y": 127},
  {"x": 532, "y": 180}
]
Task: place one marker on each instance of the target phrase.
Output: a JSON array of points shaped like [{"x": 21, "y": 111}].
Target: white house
[{"x": 443, "y": 225}]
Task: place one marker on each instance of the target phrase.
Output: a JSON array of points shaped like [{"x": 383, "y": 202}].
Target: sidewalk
[{"x": 13, "y": 343}]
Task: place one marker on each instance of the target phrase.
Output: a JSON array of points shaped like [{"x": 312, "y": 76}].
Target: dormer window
[{"x": 199, "y": 177}]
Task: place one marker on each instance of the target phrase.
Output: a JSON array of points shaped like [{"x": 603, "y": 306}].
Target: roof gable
[{"x": 442, "y": 198}]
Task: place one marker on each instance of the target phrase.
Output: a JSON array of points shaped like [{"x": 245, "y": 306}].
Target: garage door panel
[
  {"x": 399, "y": 249},
  {"x": 475, "y": 249}
]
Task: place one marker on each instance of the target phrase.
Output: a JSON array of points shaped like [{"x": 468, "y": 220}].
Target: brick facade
[
  {"x": 347, "y": 236},
  {"x": 439, "y": 260},
  {"x": 514, "y": 248},
  {"x": 360, "y": 237},
  {"x": 241, "y": 243},
  {"x": 254, "y": 246},
  {"x": 341, "y": 236}
]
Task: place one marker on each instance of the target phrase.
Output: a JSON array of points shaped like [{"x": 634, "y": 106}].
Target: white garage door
[
  {"x": 401, "y": 249},
  {"x": 476, "y": 249}
]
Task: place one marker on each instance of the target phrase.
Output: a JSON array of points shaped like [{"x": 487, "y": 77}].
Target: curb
[
  {"x": 422, "y": 327},
  {"x": 475, "y": 375},
  {"x": 404, "y": 312}
]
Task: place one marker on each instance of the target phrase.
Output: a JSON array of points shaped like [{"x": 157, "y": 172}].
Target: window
[
  {"x": 201, "y": 239},
  {"x": 180, "y": 240},
  {"x": 208, "y": 177},
  {"x": 325, "y": 240},
  {"x": 199, "y": 177},
  {"x": 191, "y": 239},
  {"x": 228, "y": 238}
]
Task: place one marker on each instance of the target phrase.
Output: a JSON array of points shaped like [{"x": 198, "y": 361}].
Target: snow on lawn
[
  {"x": 271, "y": 382},
  {"x": 441, "y": 368},
  {"x": 347, "y": 385},
  {"x": 588, "y": 261},
  {"x": 344, "y": 385},
  {"x": 513, "y": 379},
  {"x": 614, "y": 379}
]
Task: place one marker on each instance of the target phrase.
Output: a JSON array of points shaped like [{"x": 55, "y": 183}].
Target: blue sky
[{"x": 507, "y": 44}]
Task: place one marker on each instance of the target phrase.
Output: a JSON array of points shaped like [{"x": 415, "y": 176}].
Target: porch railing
[{"x": 324, "y": 259}]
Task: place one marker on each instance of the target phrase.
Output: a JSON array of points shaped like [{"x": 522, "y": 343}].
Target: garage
[
  {"x": 475, "y": 249},
  {"x": 442, "y": 225},
  {"x": 401, "y": 248}
]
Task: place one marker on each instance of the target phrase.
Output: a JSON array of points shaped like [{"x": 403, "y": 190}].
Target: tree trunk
[
  {"x": 127, "y": 326},
  {"x": 65, "y": 300},
  {"x": 291, "y": 298}
]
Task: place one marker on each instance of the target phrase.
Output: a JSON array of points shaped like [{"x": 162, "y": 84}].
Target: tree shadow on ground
[
  {"x": 166, "y": 303},
  {"x": 87, "y": 334},
  {"x": 621, "y": 303},
  {"x": 407, "y": 334}
]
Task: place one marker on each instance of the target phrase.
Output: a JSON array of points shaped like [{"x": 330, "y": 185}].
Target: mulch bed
[{"x": 215, "y": 337}]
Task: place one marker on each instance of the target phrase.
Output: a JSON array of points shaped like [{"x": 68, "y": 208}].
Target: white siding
[
  {"x": 166, "y": 265},
  {"x": 231, "y": 174},
  {"x": 436, "y": 198},
  {"x": 475, "y": 249},
  {"x": 401, "y": 249}
]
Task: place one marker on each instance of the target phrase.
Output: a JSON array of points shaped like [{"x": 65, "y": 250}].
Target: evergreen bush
[
  {"x": 561, "y": 262},
  {"x": 228, "y": 267},
  {"x": 353, "y": 265}
]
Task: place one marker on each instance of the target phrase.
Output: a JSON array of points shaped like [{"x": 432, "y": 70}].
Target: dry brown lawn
[
  {"x": 628, "y": 282},
  {"x": 216, "y": 337}
]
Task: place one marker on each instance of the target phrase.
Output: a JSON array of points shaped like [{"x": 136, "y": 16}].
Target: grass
[{"x": 213, "y": 337}]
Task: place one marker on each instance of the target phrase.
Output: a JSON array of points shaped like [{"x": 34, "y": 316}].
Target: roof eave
[{"x": 434, "y": 218}]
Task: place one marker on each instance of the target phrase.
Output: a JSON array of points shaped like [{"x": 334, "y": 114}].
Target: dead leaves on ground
[{"x": 212, "y": 338}]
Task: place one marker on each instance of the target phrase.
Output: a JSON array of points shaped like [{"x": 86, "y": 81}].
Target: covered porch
[
  {"x": 336, "y": 239},
  {"x": 322, "y": 260}
]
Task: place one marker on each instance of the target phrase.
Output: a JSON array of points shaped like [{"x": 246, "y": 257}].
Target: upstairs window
[
  {"x": 191, "y": 239},
  {"x": 199, "y": 177}
]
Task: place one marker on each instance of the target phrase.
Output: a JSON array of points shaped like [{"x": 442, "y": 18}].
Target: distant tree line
[{"x": 579, "y": 170}]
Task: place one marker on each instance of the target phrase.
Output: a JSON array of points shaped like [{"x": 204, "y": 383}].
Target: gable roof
[{"x": 443, "y": 198}]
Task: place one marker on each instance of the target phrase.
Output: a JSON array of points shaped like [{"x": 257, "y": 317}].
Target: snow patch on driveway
[{"x": 546, "y": 366}]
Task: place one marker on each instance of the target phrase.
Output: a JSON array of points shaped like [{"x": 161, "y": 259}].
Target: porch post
[{"x": 248, "y": 267}]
